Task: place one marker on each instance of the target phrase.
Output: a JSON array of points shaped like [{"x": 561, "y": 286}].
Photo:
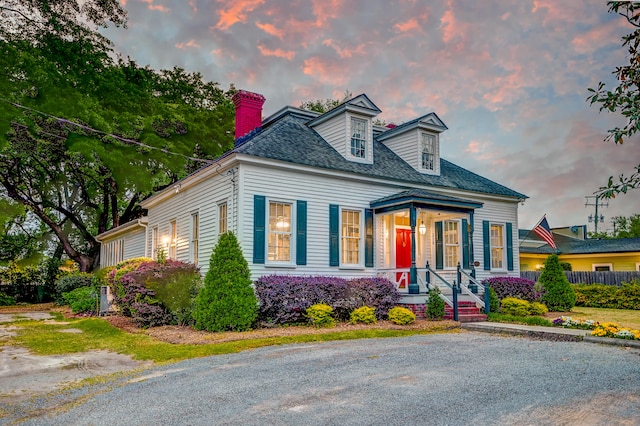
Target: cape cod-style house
[{"x": 335, "y": 194}]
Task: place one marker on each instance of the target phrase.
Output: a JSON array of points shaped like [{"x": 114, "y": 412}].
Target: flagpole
[{"x": 531, "y": 230}]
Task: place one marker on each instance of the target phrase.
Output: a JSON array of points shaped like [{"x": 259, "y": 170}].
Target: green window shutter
[
  {"x": 368, "y": 242},
  {"x": 465, "y": 244},
  {"x": 301, "y": 232},
  {"x": 509, "y": 247},
  {"x": 486, "y": 240},
  {"x": 334, "y": 235},
  {"x": 258, "y": 228},
  {"x": 439, "y": 247}
]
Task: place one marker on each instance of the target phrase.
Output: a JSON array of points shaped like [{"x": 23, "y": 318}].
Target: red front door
[{"x": 403, "y": 256}]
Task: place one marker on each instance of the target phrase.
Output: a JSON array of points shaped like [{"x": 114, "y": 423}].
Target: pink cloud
[
  {"x": 158, "y": 7},
  {"x": 408, "y": 26},
  {"x": 190, "y": 43},
  {"x": 325, "y": 71},
  {"x": 271, "y": 30},
  {"x": 345, "y": 52},
  {"x": 278, "y": 53},
  {"x": 599, "y": 36},
  {"x": 236, "y": 12}
]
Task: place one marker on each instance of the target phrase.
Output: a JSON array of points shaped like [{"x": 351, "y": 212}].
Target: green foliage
[
  {"x": 326, "y": 105},
  {"x": 435, "y": 304},
  {"x": 402, "y": 316},
  {"x": 521, "y": 308},
  {"x": 494, "y": 301},
  {"x": 71, "y": 282},
  {"x": 227, "y": 300},
  {"x": 83, "y": 299},
  {"x": 624, "y": 96},
  {"x": 559, "y": 295},
  {"x": 566, "y": 266},
  {"x": 626, "y": 296},
  {"x": 6, "y": 300},
  {"x": 529, "y": 320},
  {"x": 364, "y": 315},
  {"x": 321, "y": 315},
  {"x": 94, "y": 135}
]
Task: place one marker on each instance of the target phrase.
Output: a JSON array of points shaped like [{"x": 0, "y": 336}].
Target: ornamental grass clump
[
  {"x": 227, "y": 301},
  {"x": 363, "y": 315},
  {"x": 320, "y": 315},
  {"x": 401, "y": 316}
]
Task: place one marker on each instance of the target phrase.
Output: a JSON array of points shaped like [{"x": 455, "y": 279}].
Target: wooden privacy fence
[{"x": 589, "y": 277}]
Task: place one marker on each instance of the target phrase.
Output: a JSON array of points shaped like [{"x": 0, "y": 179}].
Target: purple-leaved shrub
[
  {"x": 520, "y": 288},
  {"x": 285, "y": 298}
]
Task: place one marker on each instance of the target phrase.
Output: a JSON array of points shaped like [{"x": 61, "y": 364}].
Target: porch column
[{"x": 413, "y": 279}]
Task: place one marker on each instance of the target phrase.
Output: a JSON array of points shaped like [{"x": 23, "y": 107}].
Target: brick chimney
[{"x": 248, "y": 111}]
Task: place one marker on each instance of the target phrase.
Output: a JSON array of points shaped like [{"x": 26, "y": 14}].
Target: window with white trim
[
  {"x": 279, "y": 239},
  {"x": 638, "y": 266},
  {"x": 451, "y": 242},
  {"x": 497, "y": 244},
  {"x": 358, "y": 138},
  {"x": 222, "y": 218},
  {"x": 428, "y": 152},
  {"x": 195, "y": 234},
  {"x": 351, "y": 237},
  {"x": 173, "y": 236},
  {"x": 601, "y": 267}
]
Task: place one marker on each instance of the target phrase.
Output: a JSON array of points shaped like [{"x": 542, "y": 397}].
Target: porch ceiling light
[{"x": 422, "y": 228}]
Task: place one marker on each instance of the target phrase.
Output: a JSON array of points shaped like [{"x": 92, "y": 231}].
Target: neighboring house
[
  {"x": 584, "y": 254},
  {"x": 334, "y": 194}
]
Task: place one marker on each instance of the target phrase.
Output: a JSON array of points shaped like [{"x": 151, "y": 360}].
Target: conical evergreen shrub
[
  {"x": 558, "y": 295},
  {"x": 227, "y": 301}
]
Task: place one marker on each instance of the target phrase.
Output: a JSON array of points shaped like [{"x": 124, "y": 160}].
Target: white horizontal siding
[
  {"x": 334, "y": 131},
  {"x": 405, "y": 146},
  {"x": 134, "y": 245}
]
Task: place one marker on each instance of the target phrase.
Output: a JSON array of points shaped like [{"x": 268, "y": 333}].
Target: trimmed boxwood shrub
[
  {"x": 227, "y": 300},
  {"x": 363, "y": 315},
  {"x": 320, "y": 315},
  {"x": 435, "y": 305},
  {"x": 521, "y": 308},
  {"x": 521, "y": 288},
  {"x": 401, "y": 316},
  {"x": 559, "y": 295},
  {"x": 283, "y": 299}
]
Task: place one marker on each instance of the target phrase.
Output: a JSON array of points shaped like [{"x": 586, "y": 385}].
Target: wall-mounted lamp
[{"x": 422, "y": 228}]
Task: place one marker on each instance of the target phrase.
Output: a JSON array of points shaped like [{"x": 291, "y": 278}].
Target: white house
[{"x": 333, "y": 194}]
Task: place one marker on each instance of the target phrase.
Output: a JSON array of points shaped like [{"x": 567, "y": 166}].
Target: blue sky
[{"x": 509, "y": 78}]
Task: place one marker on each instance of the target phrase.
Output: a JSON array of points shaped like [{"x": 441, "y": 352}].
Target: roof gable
[
  {"x": 429, "y": 122},
  {"x": 360, "y": 105}
]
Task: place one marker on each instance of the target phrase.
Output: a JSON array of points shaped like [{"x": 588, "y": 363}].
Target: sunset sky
[{"x": 509, "y": 78}]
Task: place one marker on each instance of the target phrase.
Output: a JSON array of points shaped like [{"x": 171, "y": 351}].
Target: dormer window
[
  {"x": 428, "y": 151},
  {"x": 358, "y": 138}
]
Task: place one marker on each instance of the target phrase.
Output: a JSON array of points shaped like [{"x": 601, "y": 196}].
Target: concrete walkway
[{"x": 548, "y": 333}]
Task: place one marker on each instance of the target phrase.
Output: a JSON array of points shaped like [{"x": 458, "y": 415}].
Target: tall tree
[
  {"x": 625, "y": 97},
  {"x": 85, "y": 137}
]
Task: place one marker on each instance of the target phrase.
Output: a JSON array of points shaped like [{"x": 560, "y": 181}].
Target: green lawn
[
  {"x": 48, "y": 339},
  {"x": 623, "y": 317}
]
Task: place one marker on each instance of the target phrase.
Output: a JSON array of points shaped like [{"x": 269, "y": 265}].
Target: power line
[{"x": 100, "y": 132}]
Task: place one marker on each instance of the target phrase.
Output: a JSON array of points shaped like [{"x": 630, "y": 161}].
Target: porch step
[{"x": 467, "y": 312}]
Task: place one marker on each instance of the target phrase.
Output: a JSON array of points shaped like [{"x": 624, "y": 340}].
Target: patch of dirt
[{"x": 189, "y": 336}]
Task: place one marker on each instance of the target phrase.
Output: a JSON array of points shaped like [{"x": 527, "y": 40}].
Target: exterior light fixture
[{"x": 422, "y": 228}]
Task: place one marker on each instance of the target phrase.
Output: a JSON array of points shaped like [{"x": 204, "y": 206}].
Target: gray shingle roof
[
  {"x": 567, "y": 245},
  {"x": 289, "y": 139}
]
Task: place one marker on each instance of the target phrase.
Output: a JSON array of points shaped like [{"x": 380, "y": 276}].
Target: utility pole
[{"x": 596, "y": 203}]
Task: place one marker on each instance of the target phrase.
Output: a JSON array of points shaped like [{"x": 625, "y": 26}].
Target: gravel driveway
[{"x": 439, "y": 379}]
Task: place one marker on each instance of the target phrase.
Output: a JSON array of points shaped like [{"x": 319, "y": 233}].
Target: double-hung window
[
  {"x": 222, "y": 218},
  {"x": 358, "y": 138},
  {"x": 428, "y": 151},
  {"x": 155, "y": 243},
  {"x": 451, "y": 244},
  {"x": 497, "y": 246},
  {"x": 279, "y": 239},
  {"x": 351, "y": 237}
]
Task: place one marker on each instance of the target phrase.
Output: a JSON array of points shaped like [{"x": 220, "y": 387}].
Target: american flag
[{"x": 544, "y": 231}]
